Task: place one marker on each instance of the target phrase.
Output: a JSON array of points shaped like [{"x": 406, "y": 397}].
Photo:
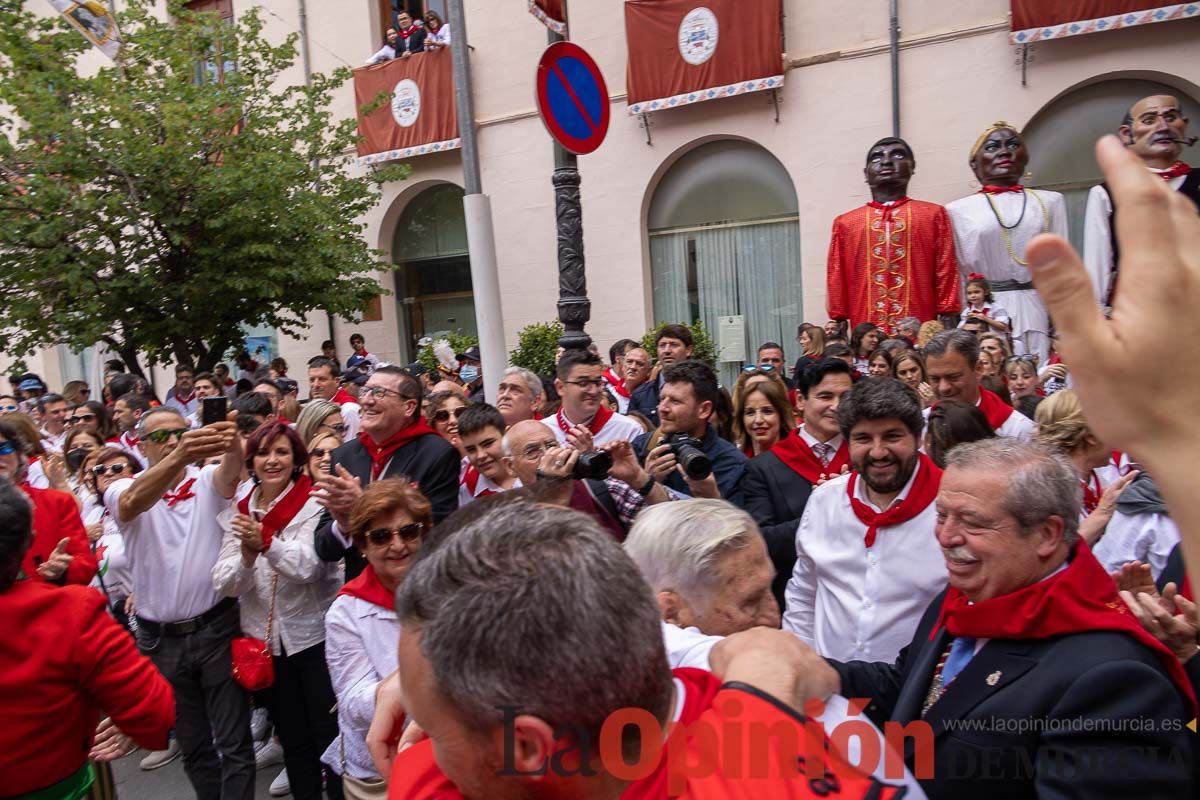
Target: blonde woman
[
  {"x": 812, "y": 343},
  {"x": 927, "y": 331}
]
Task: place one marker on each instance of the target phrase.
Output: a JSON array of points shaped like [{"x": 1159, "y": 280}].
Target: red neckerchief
[
  {"x": 981, "y": 310},
  {"x": 1091, "y": 493},
  {"x": 382, "y": 453},
  {"x": 1081, "y": 598},
  {"x": 888, "y": 209},
  {"x": 343, "y": 396},
  {"x": 995, "y": 409},
  {"x": 1176, "y": 170},
  {"x": 603, "y": 415},
  {"x": 924, "y": 489},
  {"x": 367, "y": 587},
  {"x": 184, "y": 400},
  {"x": 796, "y": 453},
  {"x": 184, "y": 492},
  {"x": 470, "y": 479},
  {"x": 990, "y": 189},
  {"x": 408, "y": 33},
  {"x": 615, "y": 383},
  {"x": 283, "y": 512}
]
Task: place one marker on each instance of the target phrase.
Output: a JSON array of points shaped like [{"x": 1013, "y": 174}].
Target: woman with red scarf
[
  {"x": 268, "y": 561},
  {"x": 387, "y": 524}
]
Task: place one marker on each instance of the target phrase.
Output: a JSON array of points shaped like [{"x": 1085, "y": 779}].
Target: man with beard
[
  {"x": 867, "y": 563},
  {"x": 1155, "y": 130},
  {"x": 894, "y": 257},
  {"x": 993, "y": 226}
]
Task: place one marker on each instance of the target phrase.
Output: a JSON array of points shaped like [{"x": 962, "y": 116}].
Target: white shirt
[
  {"x": 304, "y": 584},
  {"x": 440, "y": 37},
  {"x": 53, "y": 444},
  {"x": 350, "y": 416},
  {"x": 36, "y": 475},
  {"x": 172, "y": 549},
  {"x": 1017, "y": 426},
  {"x": 1148, "y": 538},
  {"x": 981, "y": 246},
  {"x": 812, "y": 441},
  {"x": 619, "y": 428},
  {"x": 385, "y": 53},
  {"x": 688, "y": 647},
  {"x": 128, "y": 444},
  {"x": 483, "y": 486},
  {"x": 361, "y": 641},
  {"x": 112, "y": 575},
  {"x": 180, "y": 405},
  {"x": 852, "y": 603}
]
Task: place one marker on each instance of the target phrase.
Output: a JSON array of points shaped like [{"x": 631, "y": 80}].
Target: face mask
[
  {"x": 75, "y": 459},
  {"x": 469, "y": 373}
]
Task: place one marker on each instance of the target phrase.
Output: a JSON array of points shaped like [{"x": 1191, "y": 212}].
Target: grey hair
[
  {"x": 530, "y": 377},
  {"x": 144, "y": 420},
  {"x": 962, "y": 342},
  {"x": 677, "y": 545},
  {"x": 1042, "y": 483},
  {"x": 909, "y": 323},
  {"x": 527, "y": 579}
]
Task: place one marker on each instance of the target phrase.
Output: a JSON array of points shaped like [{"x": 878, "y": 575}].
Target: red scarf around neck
[
  {"x": 382, "y": 452},
  {"x": 615, "y": 383},
  {"x": 343, "y": 396},
  {"x": 407, "y": 33},
  {"x": 367, "y": 586},
  {"x": 1176, "y": 170},
  {"x": 922, "y": 492},
  {"x": 995, "y": 409},
  {"x": 1091, "y": 492},
  {"x": 283, "y": 512},
  {"x": 1081, "y": 598},
  {"x": 990, "y": 189},
  {"x": 889, "y": 209},
  {"x": 603, "y": 415},
  {"x": 795, "y": 452}
]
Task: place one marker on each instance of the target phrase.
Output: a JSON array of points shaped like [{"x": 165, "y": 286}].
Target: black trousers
[
  {"x": 212, "y": 712},
  {"x": 301, "y": 702}
]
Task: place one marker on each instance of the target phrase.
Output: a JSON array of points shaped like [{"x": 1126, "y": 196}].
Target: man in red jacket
[{"x": 60, "y": 552}]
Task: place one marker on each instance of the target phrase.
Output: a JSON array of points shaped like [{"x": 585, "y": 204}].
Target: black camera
[
  {"x": 694, "y": 461},
  {"x": 594, "y": 465}
]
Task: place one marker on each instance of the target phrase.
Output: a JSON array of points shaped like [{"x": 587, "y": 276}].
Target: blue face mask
[{"x": 469, "y": 373}]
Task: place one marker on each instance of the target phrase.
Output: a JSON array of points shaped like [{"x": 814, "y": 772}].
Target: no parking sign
[{"x": 572, "y": 97}]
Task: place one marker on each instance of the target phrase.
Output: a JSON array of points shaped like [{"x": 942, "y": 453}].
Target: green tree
[
  {"x": 536, "y": 346},
  {"x": 164, "y": 203}
]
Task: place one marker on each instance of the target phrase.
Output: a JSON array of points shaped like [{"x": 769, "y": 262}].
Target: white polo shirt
[
  {"x": 172, "y": 548},
  {"x": 619, "y": 428}
]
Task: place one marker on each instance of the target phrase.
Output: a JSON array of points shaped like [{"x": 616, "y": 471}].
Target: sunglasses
[
  {"x": 443, "y": 414},
  {"x": 112, "y": 469},
  {"x": 6, "y": 408},
  {"x": 7, "y": 448},
  {"x": 759, "y": 369},
  {"x": 407, "y": 533},
  {"x": 75, "y": 420},
  {"x": 160, "y": 436},
  {"x": 318, "y": 452}
]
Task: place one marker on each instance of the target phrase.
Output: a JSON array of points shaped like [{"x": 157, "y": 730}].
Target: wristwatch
[{"x": 648, "y": 487}]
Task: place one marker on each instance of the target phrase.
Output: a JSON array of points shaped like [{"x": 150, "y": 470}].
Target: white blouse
[{"x": 305, "y": 585}]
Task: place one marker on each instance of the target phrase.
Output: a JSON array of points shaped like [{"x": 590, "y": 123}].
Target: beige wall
[{"x": 958, "y": 73}]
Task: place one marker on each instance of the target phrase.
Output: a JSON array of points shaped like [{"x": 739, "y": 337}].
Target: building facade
[{"x": 719, "y": 208}]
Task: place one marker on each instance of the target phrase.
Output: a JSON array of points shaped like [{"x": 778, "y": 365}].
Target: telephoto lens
[
  {"x": 696, "y": 464},
  {"x": 594, "y": 465}
]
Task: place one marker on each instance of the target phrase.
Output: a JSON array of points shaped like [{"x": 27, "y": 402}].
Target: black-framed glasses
[
  {"x": 443, "y": 414},
  {"x": 380, "y": 392},
  {"x": 114, "y": 469},
  {"x": 408, "y": 533},
  {"x": 592, "y": 383},
  {"x": 7, "y": 448},
  {"x": 163, "y": 434},
  {"x": 81, "y": 418}
]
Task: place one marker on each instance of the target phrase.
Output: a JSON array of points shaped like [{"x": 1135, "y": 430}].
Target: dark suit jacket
[
  {"x": 414, "y": 44},
  {"x": 775, "y": 495},
  {"x": 645, "y": 400},
  {"x": 728, "y": 464},
  {"x": 429, "y": 461},
  {"x": 1090, "y": 715}
]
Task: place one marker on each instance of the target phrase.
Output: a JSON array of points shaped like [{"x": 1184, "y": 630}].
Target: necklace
[{"x": 1006, "y": 230}]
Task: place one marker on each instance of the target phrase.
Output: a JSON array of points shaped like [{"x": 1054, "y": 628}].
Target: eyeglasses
[
  {"x": 114, "y": 469},
  {"x": 1028, "y": 359},
  {"x": 407, "y": 533},
  {"x": 380, "y": 392},
  {"x": 443, "y": 414},
  {"x": 758, "y": 369},
  {"x": 6, "y": 408},
  {"x": 597, "y": 383},
  {"x": 339, "y": 429},
  {"x": 85, "y": 391},
  {"x": 7, "y": 448},
  {"x": 318, "y": 452},
  {"x": 535, "y": 451},
  {"x": 81, "y": 418},
  {"x": 162, "y": 435}
]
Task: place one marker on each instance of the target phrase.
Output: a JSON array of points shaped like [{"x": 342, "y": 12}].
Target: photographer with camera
[
  {"x": 608, "y": 483},
  {"x": 685, "y": 453}
]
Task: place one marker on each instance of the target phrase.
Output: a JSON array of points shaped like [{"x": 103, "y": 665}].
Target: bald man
[{"x": 1155, "y": 130}]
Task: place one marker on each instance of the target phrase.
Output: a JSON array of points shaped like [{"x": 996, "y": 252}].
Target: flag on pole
[
  {"x": 551, "y": 14},
  {"x": 93, "y": 20}
]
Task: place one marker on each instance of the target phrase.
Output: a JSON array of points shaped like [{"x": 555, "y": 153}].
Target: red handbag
[{"x": 253, "y": 667}]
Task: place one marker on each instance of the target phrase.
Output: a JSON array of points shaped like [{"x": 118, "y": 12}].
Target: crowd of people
[{"x": 402, "y": 589}]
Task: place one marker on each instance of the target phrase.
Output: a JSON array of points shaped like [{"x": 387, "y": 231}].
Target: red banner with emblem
[
  {"x": 1038, "y": 20},
  {"x": 418, "y": 117},
  {"x": 551, "y": 14},
  {"x": 689, "y": 51}
]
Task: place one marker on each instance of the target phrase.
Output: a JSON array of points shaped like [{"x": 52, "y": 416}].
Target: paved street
[{"x": 169, "y": 782}]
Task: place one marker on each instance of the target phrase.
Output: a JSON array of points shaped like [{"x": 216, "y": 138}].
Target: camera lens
[
  {"x": 594, "y": 466},
  {"x": 696, "y": 464}
]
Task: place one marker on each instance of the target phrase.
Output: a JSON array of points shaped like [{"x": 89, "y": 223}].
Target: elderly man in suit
[
  {"x": 1033, "y": 678},
  {"x": 394, "y": 441}
]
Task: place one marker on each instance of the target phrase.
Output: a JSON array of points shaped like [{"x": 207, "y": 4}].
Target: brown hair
[
  {"x": 776, "y": 395},
  {"x": 30, "y": 438},
  {"x": 951, "y": 423},
  {"x": 387, "y": 497}
]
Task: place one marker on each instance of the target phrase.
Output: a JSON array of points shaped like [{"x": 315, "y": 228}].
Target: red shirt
[
  {"x": 64, "y": 660},
  {"x": 56, "y": 517},
  {"x": 728, "y": 711}
]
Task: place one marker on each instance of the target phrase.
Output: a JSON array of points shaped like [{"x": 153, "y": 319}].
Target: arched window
[
  {"x": 725, "y": 242},
  {"x": 1062, "y": 137},
  {"x": 433, "y": 268}
]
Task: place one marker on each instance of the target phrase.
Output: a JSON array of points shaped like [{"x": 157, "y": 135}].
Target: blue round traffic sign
[{"x": 572, "y": 97}]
